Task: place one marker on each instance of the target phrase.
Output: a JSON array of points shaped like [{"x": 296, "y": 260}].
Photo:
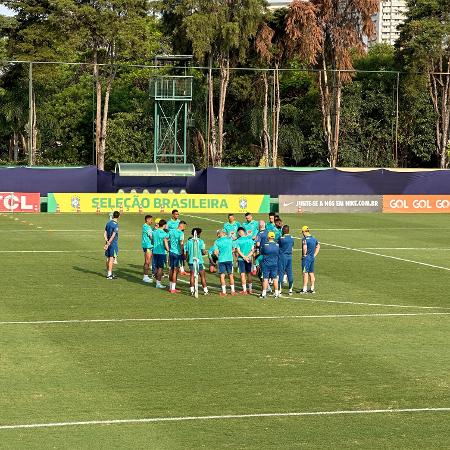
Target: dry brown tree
[{"x": 326, "y": 34}]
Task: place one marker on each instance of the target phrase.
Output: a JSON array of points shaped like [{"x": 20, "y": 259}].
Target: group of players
[{"x": 259, "y": 249}]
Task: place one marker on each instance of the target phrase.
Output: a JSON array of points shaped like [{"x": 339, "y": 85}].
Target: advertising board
[
  {"x": 330, "y": 203},
  {"x": 20, "y": 202},
  {"x": 161, "y": 203},
  {"x": 416, "y": 204}
]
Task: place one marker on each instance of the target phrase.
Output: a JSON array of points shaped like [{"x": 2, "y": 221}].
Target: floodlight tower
[{"x": 172, "y": 94}]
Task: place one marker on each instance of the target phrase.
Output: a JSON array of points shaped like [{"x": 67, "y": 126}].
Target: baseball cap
[
  {"x": 271, "y": 234},
  {"x": 305, "y": 229}
]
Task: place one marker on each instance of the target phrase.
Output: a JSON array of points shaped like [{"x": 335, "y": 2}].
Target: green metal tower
[{"x": 172, "y": 94}]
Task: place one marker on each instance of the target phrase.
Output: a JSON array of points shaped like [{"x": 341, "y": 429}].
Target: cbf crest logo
[
  {"x": 243, "y": 203},
  {"x": 75, "y": 202}
]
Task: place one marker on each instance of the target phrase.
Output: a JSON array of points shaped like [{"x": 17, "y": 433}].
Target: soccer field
[{"x": 91, "y": 363}]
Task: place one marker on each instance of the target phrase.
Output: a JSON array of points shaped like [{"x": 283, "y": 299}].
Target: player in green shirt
[
  {"x": 244, "y": 248},
  {"x": 147, "y": 247},
  {"x": 250, "y": 226},
  {"x": 270, "y": 225},
  {"x": 278, "y": 228},
  {"x": 212, "y": 256},
  {"x": 231, "y": 227},
  {"x": 173, "y": 223},
  {"x": 176, "y": 246},
  {"x": 160, "y": 247},
  {"x": 190, "y": 255},
  {"x": 223, "y": 249}
]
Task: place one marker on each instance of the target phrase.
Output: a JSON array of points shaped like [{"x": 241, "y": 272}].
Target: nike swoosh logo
[{"x": 287, "y": 204}]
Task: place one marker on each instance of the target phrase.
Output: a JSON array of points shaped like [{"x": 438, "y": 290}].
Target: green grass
[{"x": 355, "y": 358}]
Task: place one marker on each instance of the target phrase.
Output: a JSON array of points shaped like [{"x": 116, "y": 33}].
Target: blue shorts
[
  {"x": 175, "y": 260},
  {"x": 159, "y": 261},
  {"x": 200, "y": 267},
  {"x": 112, "y": 251},
  {"x": 147, "y": 250},
  {"x": 244, "y": 266},
  {"x": 226, "y": 267},
  {"x": 308, "y": 264},
  {"x": 270, "y": 272}
]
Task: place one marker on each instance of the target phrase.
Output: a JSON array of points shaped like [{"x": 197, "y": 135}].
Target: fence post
[
  {"x": 30, "y": 116},
  {"x": 397, "y": 112}
]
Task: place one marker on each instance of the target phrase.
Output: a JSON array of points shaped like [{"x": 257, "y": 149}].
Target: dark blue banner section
[
  {"x": 326, "y": 182},
  {"x": 43, "y": 180},
  {"x": 274, "y": 182}
]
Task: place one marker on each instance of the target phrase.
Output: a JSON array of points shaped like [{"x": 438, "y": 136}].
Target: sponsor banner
[
  {"x": 157, "y": 203},
  {"x": 416, "y": 204},
  {"x": 20, "y": 202},
  {"x": 330, "y": 203}
]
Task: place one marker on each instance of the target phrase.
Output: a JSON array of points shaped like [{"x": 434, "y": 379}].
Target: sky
[{"x": 5, "y": 11}]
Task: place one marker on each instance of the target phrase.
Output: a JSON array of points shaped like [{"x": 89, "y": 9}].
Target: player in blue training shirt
[
  {"x": 223, "y": 249},
  {"x": 270, "y": 252},
  {"x": 270, "y": 225},
  {"x": 250, "y": 226},
  {"x": 286, "y": 243},
  {"x": 160, "y": 247},
  {"x": 260, "y": 240},
  {"x": 147, "y": 247},
  {"x": 190, "y": 255},
  {"x": 231, "y": 227},
  {"x": 310, "y": 250},
  {"x": 176, "y": 246},
  {"x": 244, "y": 249},
  {"x": 111, "y": 247}
]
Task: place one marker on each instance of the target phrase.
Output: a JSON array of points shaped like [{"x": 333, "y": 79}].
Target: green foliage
[
  {"x": 71, "y": 29},
  {"x": 129, "y": 138}
]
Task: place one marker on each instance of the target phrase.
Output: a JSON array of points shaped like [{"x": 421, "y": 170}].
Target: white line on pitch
[
  {"x": 404, "y": 248},
  {"x": 229, "y": 318},
  {"x": 225, "y": 417},
  {"x": 387, "y": 256},
  {"x": 64, "y": 251},
  {"x": 343, "y": 302}
]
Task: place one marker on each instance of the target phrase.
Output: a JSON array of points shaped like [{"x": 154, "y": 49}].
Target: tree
[
  {"x": 271, "y": 46},
  {"x": 424, "y": 46},
  {"x": 108, "y": 33},
  {"x": 325, "y": 34},
  {"x": 35, "y": 34},
  {"x": 218, "y": 31}
]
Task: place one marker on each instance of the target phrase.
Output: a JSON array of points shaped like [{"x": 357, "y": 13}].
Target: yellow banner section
[{"x": 161, "y": 203}]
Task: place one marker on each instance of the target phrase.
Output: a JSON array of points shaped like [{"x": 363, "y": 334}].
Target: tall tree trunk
[
  {"x": 98, "y": 113},
  {"x": 440, "y": 95},
  {"x": 224, "y": 80},
  {"x": 104, "y": 125},
  {"x": 16, "y": 146},
  {"x": 266, "y": 135},
  {"x": 336, "y": 123},
  {"x": 330, "y": 98},
  {"x": 212, "y": 136},
  {"x": 11, "y": 147},
  {"x": 34, "y": 130},
  {"x": 25, "y": 144},
  {"x": 276, "y": 115}
]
